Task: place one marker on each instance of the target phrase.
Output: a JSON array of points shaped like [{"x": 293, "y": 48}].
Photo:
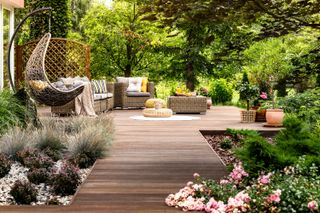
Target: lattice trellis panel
[{"x": 64, "y": 58}]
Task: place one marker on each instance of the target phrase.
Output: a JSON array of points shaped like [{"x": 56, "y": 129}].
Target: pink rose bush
[
  {"x": 269, "y": 192},
  {"x": 313, "y": 205}
]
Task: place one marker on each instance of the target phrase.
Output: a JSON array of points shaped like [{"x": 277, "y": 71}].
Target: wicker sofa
[
  {"x": 125, "y": 99},
  {"x": 102, "y": 102}
]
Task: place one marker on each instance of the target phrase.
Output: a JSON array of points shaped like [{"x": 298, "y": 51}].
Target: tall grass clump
[
  {"x": 91, "y": 143},
  {"x": 12, "y": 111},
  {"x": 15, "y": 140},
  {"x": 49, "y": 141}
]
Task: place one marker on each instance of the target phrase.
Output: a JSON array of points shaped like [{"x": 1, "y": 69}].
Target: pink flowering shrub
[{"x": 290, "y": 190}]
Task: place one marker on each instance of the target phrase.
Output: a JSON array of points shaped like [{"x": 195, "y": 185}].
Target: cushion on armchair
[
  {"x": 138, "y": 94},
  {"x": 134, "y": 84}
]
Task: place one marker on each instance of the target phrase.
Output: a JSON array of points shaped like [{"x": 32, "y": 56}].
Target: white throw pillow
[
  {"x": 134, "y": 84},
  {"x": 122, "y": 80}
]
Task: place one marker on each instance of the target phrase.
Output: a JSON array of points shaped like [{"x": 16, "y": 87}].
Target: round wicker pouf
[{"x": 157, "y": 113}]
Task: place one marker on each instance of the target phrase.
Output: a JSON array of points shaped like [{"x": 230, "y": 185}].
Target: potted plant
[
  {"x": 258, "y": 106},
  {"x": 247, "y": 92},
  {"x": 274, "y": 116}
]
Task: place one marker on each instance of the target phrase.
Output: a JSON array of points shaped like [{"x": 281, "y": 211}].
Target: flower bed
[
  {"x": 282, "y": 174},
  {"x": 239, "y": 193},
  {"x": 47, "y": 165}
]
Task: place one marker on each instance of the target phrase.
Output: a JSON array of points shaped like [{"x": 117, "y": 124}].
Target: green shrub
[
  {"x": 305, "y": 105},
  {"x": 258, "y": 155},
  {"x": 48, "y": 141},
  {"x": 290, "y": 144},
  {"x": 65, "y": 179},
  {"x": 23, "y": 192},
  {"x": 15, "y": 140},
  {"x": 220, "y": 91},
  {"x": 226, "y": 144},
  {"x": 12, "y": 112},
  {"x": 38, "y": 176},
  {"x": 5, "y": 165},
  {"x": 240, "y": 134}
]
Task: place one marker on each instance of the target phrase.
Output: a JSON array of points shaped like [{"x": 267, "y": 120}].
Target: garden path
[{"x": 148, "y": 160}]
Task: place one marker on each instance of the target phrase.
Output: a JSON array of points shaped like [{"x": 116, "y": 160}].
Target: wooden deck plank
[{"x": 148, "y": 160}]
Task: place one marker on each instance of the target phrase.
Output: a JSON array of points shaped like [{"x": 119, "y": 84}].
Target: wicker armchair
[
  {"x": 125, "y": 99},
  {"x": 101, "y": 105}
]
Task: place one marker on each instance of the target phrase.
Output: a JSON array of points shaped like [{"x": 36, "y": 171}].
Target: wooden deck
[{"x": 148, "y": 160}]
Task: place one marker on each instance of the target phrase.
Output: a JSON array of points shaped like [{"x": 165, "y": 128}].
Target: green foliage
[
  {"x": 60, "y": 23},
  {"x": 258, "y": 155},
  {"x": 220, "y": 91},
  {"x": 121, "y": 40},
  {"x": 12, "y": 112},
  {"x": 65, "y": 179},
  {"x": 240, "y": 134},
  {"x": 226, "y": 144},
  {"x": 247, "y": 91},
  {"x": 305, "y": 105},
  {"x": 23, "y": 193},
  {"x": 281, "y": 59},
  {"x": 5, "y": 165},
  {"x": 291, "y": 143}
]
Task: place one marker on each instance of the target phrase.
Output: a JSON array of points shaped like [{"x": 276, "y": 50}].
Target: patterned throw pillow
[{"x": 99, "y": 86}]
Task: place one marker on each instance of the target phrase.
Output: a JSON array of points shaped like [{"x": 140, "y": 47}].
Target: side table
[{"x": 193, "y": 104}]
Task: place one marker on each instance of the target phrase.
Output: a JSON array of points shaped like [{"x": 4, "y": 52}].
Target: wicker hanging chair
[{"x": 40, "y": 87}]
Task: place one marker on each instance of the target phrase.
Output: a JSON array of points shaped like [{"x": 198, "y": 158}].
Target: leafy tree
[
  {"x": 288, "y": 59},
  {"x": 79, "y": 9},
  {"x": 60, "y": 21},
  {"x": 121, "y": 39}
]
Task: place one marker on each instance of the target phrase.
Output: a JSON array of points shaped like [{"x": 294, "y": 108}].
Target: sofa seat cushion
[
  {"x": 138, "y": 94},
  {"x": 102, "y": 96}
]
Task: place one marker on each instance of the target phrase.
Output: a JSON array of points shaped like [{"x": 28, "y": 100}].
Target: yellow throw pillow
[{"x": 144, "y": 85}]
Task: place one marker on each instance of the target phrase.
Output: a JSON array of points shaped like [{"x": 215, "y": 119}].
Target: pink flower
[
  {"x": 275, "y": 197},
  {"x": 196, "y": 175},
  {"x": 238, "y": 173},
  {"x": 214, "y": 206},
  {"x": 313, "y": 205},
  {"x": 224, "y": 181},
  {"x": 264, "y": 179},
  {"x": 264, "y": 96}
]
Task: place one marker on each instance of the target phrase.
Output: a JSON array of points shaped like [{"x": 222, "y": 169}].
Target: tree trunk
[
  {"x": 248, "y": 105},
  {"x": 190, "y": 76},
  {"x": 128, "y": 68}
]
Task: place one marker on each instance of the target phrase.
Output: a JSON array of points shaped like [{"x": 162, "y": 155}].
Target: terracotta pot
[
  {"x": 274, "y": 117},
  {"x": 261, "y": 115},
  {"x": 209, "y": 103}
]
